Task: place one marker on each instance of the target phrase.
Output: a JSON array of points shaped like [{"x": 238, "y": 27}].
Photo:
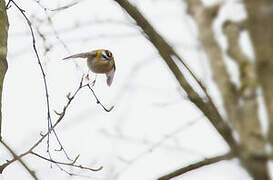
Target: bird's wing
[
  {"x": 80, "y": 55},
  {"x": 110, "y": 75}
]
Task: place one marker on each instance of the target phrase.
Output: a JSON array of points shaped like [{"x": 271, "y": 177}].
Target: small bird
[{"x": 99, "y": 61}]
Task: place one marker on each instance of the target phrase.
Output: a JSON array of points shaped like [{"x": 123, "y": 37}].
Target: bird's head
[{"x": 103, "y": 54}]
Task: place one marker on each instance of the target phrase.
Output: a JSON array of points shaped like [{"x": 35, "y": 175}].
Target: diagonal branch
[
  {"x": 167, "y": 53},
  {"x": 32, "y": 173},
  {"x": 199, "y": 164},
  {"x": 61, "y": 116}
]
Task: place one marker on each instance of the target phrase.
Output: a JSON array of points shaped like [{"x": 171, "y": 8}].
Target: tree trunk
[
  {"x": 3, "y": 52},
  {"x": 243, "y": 115},
  {"x": 260, "y": 24}
]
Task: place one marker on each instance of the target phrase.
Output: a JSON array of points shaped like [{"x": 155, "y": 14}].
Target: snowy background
[{"x": 153, "y": 128}]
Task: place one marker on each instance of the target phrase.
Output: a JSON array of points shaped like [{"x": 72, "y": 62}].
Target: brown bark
[
  {"x": 240, "y": 104},
  {"x": 260, "y": 24},
  {"x": 244, "y": 118},
  {"x": 247, "y": 120},
  {"x": 3, "y": 52}
]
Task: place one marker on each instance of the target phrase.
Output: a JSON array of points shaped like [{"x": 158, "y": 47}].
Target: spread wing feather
[
  {"x": 110, "y": 76},
  {"x": 80, "y": 55}
]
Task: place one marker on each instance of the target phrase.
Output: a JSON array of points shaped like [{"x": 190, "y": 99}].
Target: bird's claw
[
  {"x": 93, "y": 83},
  {"x": 87, "y": 77}
]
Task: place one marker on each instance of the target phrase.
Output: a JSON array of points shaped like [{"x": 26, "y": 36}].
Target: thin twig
[
  {"x": 61, "y": 116},
  {"x": 43, "y": 136},
  {"x": 160, "y": 142},
  {"x": 50, "y": 128},
  {"x": 67, "y": 164},
  {"x": 98, "y": 101},
  {"x": 59, "y": 8}
]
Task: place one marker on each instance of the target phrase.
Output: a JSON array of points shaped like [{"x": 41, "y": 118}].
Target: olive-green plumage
[{"x": 99, "y": 61}]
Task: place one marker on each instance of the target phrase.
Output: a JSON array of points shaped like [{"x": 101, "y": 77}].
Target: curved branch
[
  {"x": 50, "y": 127},
  {"x": 199, "y": 164}
]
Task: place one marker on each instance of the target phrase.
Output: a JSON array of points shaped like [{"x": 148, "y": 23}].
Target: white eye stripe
[
  {"x": 103, "y": 54},
  {"x": 106, "y": 54}
]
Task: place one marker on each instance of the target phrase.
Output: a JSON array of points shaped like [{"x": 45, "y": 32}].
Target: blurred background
[{"x": 154, "y": 128}]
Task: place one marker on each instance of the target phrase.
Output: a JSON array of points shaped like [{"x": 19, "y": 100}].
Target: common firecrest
[{"x": 100, "y": 62}]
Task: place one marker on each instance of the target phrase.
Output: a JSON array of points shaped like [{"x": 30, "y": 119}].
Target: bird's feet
[
  {"x": 93, "y": 83},
  {"x": 87, "y": 77}
]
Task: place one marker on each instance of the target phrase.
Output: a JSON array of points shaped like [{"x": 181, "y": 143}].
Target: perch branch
[{"x": 98, "y": 101}]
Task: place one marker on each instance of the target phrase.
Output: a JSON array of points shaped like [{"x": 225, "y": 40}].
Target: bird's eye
[{"x": 108, "y": 53}]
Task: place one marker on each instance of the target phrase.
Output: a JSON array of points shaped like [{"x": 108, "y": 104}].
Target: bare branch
[
  {"x": 45, "y": 135},
  {"x": 59, "y": 8},
  {"x": 199, "y": 164},
  {"x": 72, "y": 164},
  {"x": 50, "y": 128},
  {"x": 98, "y": 101},
  {"x": 167, "y": 53},
  {"x": 242, "y": 115},
  {"x": 156, "y": 145}
]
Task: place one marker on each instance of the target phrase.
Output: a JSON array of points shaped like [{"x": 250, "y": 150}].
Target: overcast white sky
[{"x": 153, "y": 129}]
